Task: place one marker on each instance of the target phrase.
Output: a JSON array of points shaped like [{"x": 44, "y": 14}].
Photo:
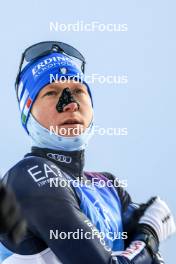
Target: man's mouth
[
  {"x": 70, "y": 127},
  {"x": 71, "y": 122}
]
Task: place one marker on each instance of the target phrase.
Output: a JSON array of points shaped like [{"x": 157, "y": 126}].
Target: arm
[
  {"x": 144, "y": 222},
  {"x": 11, "y": 221},
  {"x": 133, "y": 213}
]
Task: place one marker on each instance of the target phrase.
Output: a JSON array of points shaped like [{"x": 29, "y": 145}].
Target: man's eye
[
  {"x": 78, "y": 91},
  {"x": 50, "y": 93}
]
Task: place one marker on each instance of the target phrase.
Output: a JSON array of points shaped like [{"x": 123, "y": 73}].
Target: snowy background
[{"x": 145, "y": 105}]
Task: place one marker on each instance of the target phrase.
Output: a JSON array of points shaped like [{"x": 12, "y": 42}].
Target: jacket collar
[{"x": 72, "y": 162}]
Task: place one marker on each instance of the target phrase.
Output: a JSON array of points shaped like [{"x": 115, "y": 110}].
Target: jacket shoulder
[
  {"x": 20, "y": 167},
  {"x": 31, "y": 172}
]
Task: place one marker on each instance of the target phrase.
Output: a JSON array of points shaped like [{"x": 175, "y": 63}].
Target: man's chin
[{"x": 67, "y": 130}]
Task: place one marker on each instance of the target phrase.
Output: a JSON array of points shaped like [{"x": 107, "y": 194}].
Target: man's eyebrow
[
  {"x": 52, "y": 86},
  {"x": 79, "y": 85}
]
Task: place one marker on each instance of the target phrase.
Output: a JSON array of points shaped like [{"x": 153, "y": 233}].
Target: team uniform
[{"x": 52, "y": 203}]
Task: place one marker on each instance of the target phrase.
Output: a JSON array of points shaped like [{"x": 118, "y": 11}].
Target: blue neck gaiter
[{"x": 42, "y": 138}]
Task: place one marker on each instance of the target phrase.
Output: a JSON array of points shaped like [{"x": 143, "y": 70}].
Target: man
[{"x": 71, "y": 218}]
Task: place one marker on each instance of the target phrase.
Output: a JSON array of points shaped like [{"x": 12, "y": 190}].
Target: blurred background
[{"x": 145, "y": 104}]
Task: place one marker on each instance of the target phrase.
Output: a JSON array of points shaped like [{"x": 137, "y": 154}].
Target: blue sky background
[{"x": 146, "y": 105}]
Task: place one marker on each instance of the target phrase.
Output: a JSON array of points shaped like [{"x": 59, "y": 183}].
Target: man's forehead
[{"x": 63, "y": 85}]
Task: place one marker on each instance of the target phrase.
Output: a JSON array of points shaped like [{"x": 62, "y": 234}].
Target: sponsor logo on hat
[
  {"x": 51, "y": 62},
  {"x": 63, "y": 70}
]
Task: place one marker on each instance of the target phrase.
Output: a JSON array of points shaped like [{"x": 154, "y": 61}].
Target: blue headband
[{"x": 37, "y": 74}]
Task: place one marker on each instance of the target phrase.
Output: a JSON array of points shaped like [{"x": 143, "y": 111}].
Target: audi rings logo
[{"x": 60, "y": 158}]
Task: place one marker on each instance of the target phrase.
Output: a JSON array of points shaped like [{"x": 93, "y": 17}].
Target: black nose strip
[{"x": 65, "y": 99}]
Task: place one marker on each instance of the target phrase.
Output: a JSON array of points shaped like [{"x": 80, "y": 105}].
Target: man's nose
[{"x": 71, "y": 107}]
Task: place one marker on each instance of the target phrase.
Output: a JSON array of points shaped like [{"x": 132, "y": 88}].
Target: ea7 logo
[{"x": 47, "y": 172}]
